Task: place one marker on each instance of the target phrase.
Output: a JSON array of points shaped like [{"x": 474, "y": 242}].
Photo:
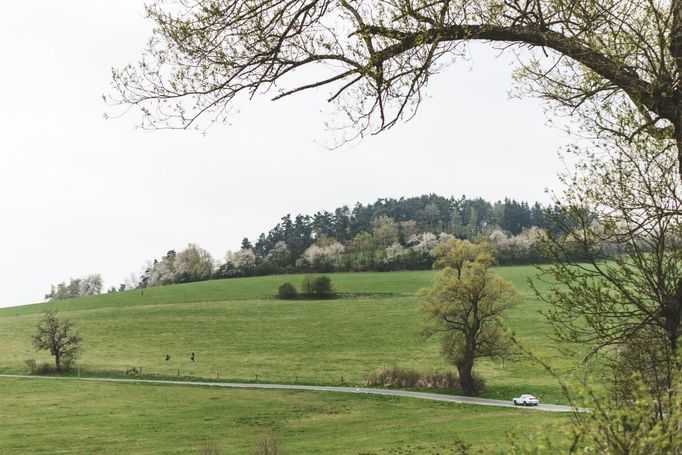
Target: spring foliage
[
  {"x": 463, "y": 309},
  {"x": 76, "y": 287},
  {"x": 625, "y": 428}
]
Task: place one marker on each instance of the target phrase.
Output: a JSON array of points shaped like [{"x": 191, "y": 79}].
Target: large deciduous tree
[
  {"x": 456, "y": 253},
  {"x": 193, "y": 264},
  {"x": 616, "y": 273},
  {"x": 616, "y": 64},
  {"x": 463, "y": 309}
]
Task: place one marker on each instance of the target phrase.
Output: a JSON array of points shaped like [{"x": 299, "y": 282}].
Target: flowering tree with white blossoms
[
  {"x": 242, "y": 260},
  {"x": 323, "y": 256}
]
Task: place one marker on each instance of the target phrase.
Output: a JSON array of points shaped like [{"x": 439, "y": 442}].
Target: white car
[{"x": 526, "y": 400}]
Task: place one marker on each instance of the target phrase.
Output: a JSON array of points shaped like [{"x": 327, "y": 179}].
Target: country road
[{"x": 357, "y": 390}]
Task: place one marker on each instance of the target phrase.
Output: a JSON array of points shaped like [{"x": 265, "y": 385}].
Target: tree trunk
[
  {"x": 678, "y": 143},
  {"x": 466, "y": 379},
  {"x": 676, "y": 52},
  {"x": 676, "y": 33},
  {"x": 673, "y": 316},
  {"x": 57, "y": 361}
]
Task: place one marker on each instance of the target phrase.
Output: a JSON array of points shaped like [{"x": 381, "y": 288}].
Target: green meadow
[
  {"x": 52, "y": 416},
  {"x": 241, "y": 332}
]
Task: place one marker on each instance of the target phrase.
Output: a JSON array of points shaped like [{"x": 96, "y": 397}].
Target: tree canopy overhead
[{"x": 613, "y": 62}]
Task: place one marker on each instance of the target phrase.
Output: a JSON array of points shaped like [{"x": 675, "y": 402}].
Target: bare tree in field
[{"x": 57, "y": 336}]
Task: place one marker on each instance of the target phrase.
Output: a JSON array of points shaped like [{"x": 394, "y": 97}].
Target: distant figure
[
  {"x": 168, "y": 357},
  {"x": 141, "y": 291},
  {"x": 192, "y": 357}
]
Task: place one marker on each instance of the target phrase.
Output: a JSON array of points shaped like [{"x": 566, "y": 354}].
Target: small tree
[
  {"x": 242, "y": 261},
  {"x": 193, "y": 264},
  {"x": 322, "y": 257},
  {"x": 463, "y": 308},
  {"x": 322, "y": 286},
  {"x": 308, "y": 285},
  {"x": 57, "y": 337},
  {"x": 286, "y": 291}
]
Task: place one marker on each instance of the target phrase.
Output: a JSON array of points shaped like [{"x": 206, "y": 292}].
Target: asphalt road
[{"x": 315, "y": 388}]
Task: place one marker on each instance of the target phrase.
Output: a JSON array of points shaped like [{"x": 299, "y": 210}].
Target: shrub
[
  {"x": 209, "y": 448},
  {"x": 32, "y": 366},
  {"x": 320, "y": 287},
  {"x": 45, "y": 368},
  {"x": 401, "y": 377},
  {"x": 307, "y": 286},
  {"x": 134, "y": 371},
  {"x": 267, "y": 445},
  {"x": 66, "y": 365},
  {"x": 286, "y": 291},
  {"x": 393, "y": 376},
  {"x": 35, "y": 368},
  {"x": 447, "y": 380}
]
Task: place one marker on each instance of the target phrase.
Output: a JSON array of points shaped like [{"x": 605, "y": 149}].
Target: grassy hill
[{"x": 240, "y": 332}]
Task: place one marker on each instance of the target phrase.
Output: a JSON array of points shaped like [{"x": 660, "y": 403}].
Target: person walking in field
[
  {"x": 168, "y": 357},
  {"x": 192, "y": 357}
]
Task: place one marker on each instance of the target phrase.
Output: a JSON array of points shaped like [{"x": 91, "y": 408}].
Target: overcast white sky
[{"x": 81, "y": 194}]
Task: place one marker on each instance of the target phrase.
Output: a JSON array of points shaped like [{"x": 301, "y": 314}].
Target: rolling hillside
[{"x": 240, "y": 332}]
